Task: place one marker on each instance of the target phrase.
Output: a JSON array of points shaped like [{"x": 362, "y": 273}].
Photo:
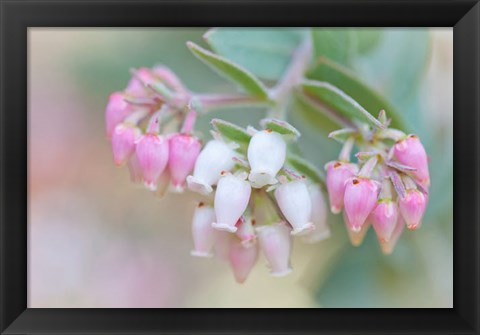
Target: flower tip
[
  {"x": 178, "y": 189},
  {"x": 305, "y": 229},
  {"x": 315, "y": 238},
  {"x": 224, "y": 227},
  {"x": 260, "y": 179},
  {"x": 202, "y": 254},
  {"x": 198, "y": 186},
  {"x": 413, "y": 226},
  {"x": 281, "y": 273},
  {"x": 335, "y": 209},
  {"x": 150, "y": 186},
  {"x": 356, "y": 229}
]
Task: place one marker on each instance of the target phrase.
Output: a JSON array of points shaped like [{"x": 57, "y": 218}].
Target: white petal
[
  {"x": 275, "y": 242},
  {"x": 295, "y": 203},
  {"x": 214, "y": 158},
  {"x": 266, "y": 156},
  {"x": 231, "y": 200},
  {"x": 202, "y": 231}
]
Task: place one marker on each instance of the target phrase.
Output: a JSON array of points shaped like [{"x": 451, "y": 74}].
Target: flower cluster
[
  {"x": 254, "y": 201},
  {"x": 150, "y": 134},
  {"x": 387, "y": 188}
]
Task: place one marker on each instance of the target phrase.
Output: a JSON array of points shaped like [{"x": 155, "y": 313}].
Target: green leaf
[
  {"x": 281, "y": 127},
  {"x": 326, "y": 70},
  {"x": 231, "y": 131},
  {"x": 336, "y": 44},
  {"x": 306, "y": 168},
  {"x": 326, "y": 94},
  {"x": 312, "y": 116},
  {"x": 266, "y": 52},
  {"x": 246, "y": 80}
]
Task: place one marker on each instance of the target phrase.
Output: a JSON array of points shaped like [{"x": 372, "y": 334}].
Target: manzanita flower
[
  {"x": 410, "y": 152},
  {"x": 412, "y": 208},
  {"x": 294, "y": 201},
  {"x": 360, "y": 199},
  {"x": 337, "y": 174},
  {"x": 319, "y": 216},
  {"x": 356, "y": 237},
  {"x": 202, "y": 231},
  {"x": 266, "y": 156},
  {"x": 123, "y": 142},
  {"x": 152, "y": 154},
  {"x": 136, "y": 85},
  {"x": 388, "y": 246},
  {"x": 384, "y": 219},
  {"x": 215, "y": 157},
  {"x": 242, "y": 259},
  {"x": 136, "y": 175},
  {"x": 183, "y": 152},
  {"x": 231, "y": 200},
  {"x": 116, "y": 112},
  {"x": 246, "y": 231},
  {"x": 276, "y": 244}
]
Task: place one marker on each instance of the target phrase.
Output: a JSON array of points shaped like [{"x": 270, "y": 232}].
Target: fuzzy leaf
[
  {"x": 336, "y": 74},
  {"x": 338, "y": 100},
  {"x": 305, "y": 168},
  {"x": 281, "y": 127},
  {"x": 342, "y": 135},
  {"x": 266, "y": 52},
  {"x": 246, "y": 80},
  {"x": 231, "y": 131}
]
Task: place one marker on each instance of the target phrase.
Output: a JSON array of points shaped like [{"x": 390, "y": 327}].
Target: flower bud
[
  {"x": 116, "y": 111},
  {"x": 276, "y": 245},
  {"x": 231, "y": 200},
  {"x": 136, "y": 85},
  {"x": 384, "y": 219},
  {"x": 337, "y": 174},
  {"x": 411, "y": 152},
  {"x": 152, "y": 155},
  {"x": 135, "y": 170},
  {"x": 183, "y": 153},
  {"x": 266, "y": 156},
  {"x": 388, "y": 246},
  {"x": 242, "y": 259},
  {"x": 215, "y": 157},
  {"x": 202, "y": 231},
  {"x": 223, "y": 241},
  {"x": 319, "y": 216},
  {"x": 412, "y": 208},
  {"x": 245, "y": 231},
  {"x": 294, "y": 201},
  {"x": 123, "y": 142},
  {"x": 360, "y": 199},
  {"x": 356, "y": 237}
]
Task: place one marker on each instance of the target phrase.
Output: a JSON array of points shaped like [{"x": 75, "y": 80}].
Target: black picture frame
[{"x": 15, "y": 18}]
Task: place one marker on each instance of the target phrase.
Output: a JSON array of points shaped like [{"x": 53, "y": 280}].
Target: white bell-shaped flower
[
  {"x": 295, "y": 203},
  {"x": 319, "y": 216},
  {"x": 266, "y": 156},
  {"x": 202, "y": 231},
  {"x": 231, "y": 200},
  {"x": 216, "y": 157},
  {"x": 276, "y": 244}
]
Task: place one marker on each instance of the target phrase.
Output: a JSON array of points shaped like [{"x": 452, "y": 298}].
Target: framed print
[{"x": 240, "y": 167}]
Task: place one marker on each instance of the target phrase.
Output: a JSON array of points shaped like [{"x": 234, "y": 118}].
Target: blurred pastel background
[{"x": 95, "y": 240}]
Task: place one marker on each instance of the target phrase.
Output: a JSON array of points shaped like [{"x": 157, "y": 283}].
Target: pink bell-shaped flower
[
  {"x": 411, "y": 152},
  {"x": 231, "y": 200},
  {"x": 356, "y": 237},
  {"x": 116, "y": 112},
  {"x": 412, "y": 208},
  {"x": 202, "y": 231},
  {"x": 223, "y": 241},
  {"x": 136, "y": 175},
  {"x": 294, "y": 201},
  {"x": 319, "y": 216},
  {"x": 215, "y": 157},
  {"x": 388, "y": 246},
  {"x": 246, "y": 231},
  {"x": 266, "y": 156},
  {"x": 276, "y": 244},
  {"x": 337, "y": 174},
  {"x": 360, "y": 199},
  {"x": 152, "y": 154},
  {"x": 136, "y": 85},
  {"x": 123, "y": 142},
  {"x": 384, "y": 219},
  {"x": 242, "y": 259},
  {"x": 183, "y": 153}
]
